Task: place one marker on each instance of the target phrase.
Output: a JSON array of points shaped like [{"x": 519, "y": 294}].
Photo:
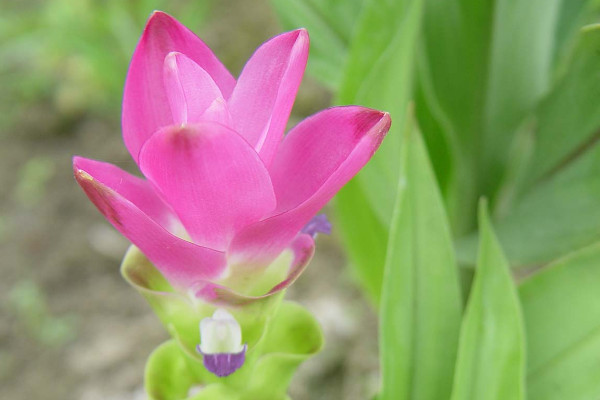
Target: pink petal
[
  {"x": 211, "y": 177},
  {"x": 136, "y": 190},
  {"x": 217, "y": 112},
  {"x": 181, "y": 262},
  {"x": 313, "y": 162},
  {"x": 303, "y": 247},
  {"x": 145, "y": 104},
  {"x": 190, "y": 90},
  {"x": 263, "y": 97}
]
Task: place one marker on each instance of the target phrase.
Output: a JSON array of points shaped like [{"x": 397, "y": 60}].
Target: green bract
[{"x": 280, "y": 335}]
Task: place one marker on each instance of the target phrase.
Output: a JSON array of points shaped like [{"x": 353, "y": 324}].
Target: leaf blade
[
  {"x": 570, "y": 115},
  {"x": 489, "y": 62},
  {"x": 378, "y": 75},
  {"x": 330, "y": 24},
  {"x": 556, "y": 217},
  {"x": 418, "y": 348},
  {"x": 562, "y": 316},
  {"x": 491, "y": 357}
]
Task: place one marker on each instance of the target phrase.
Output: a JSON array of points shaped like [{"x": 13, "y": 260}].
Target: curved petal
[
  {"x": 303, "y": 248},
  {"x": 263, "y": 97},
  {"x": 314, "y": 161},
  {"x": 136, "y": 190},
  {"x": 181, "y": 262},
  {"x": 318, "y": 146},
  {"x": 145, "y": 104},
  {"x": 217, "y": 112},
  {"x": 211, "y": 177},
  {"x": 190, "y": 90}
]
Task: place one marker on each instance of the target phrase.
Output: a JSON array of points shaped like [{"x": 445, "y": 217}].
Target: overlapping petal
[
  {"x": 181, "y": 262},
  {"x": 313, "y": 162},
  {"x": 263, "y": 97},
  {"x": 191, "y": 91},
  {"x": 213, "y": 179},
  {"x": 145, "y": 105},
  {"x": 134, "y": 189}
]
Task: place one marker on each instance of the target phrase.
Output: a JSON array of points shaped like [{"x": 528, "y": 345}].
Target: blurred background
[{"x": 70, "y": 327}]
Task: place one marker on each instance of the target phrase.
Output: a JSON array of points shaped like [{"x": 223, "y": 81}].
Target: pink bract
[{"x": 223, "y": 185}]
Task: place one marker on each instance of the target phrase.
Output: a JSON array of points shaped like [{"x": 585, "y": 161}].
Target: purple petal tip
[
  {"x": 223, "y": 364},
  {"x": 318, "y": 224}
]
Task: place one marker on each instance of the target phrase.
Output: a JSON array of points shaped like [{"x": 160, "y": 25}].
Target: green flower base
[{"x": 280, "y": 335}]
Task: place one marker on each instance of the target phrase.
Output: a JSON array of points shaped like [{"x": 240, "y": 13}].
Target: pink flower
[{"x": 224, "y": 188}]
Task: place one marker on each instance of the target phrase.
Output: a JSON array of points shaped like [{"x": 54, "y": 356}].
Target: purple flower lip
[
  {"x": 223, "y": 364},
  {"x": 318, "y": 224}
]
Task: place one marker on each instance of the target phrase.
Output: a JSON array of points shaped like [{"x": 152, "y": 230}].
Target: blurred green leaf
[
  {"x": 364, "y": 236},
  {"x": 75, "y": 54},
  {"x": 491, "y": 356},
  {"x": 421, "y": 300},
  {"x": 33, "y": 180},
  {"x": 556, "y": 217},
  {"x": 489, "y": 62},
  {"x": 451, "y": 170},
  {"x": 562, "y": 318},
  {"x": 570, "y": 116},
  {"x": 573, "y": 15},
  {"x": 330, "y": 24},
  {"x": 29, "y": 304},
  {"x": 452, "y": 71},
  {"x": 378, "y": 75}
]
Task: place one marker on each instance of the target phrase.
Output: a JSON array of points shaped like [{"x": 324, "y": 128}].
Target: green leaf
[
  {"x": 572, "y": 16},
  {"x": 421, "y": 299},
  {"x": 330, "y": 24},
  {"x": 491, "y": 356},
  {"x": 489, "y": 63},
  {"x": 378, "y": 75},
  {"x": 570, "y": 116},
  {"x": 365, "y": 238},
  {"x": 519, "y": 73},
  {"x": 557, "y": 217},
  {"x": 451, "y": 169},
  {"x": 561, "y": 306}
]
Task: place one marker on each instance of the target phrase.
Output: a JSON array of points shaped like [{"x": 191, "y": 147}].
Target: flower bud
[{"x": 221, "y": 343}]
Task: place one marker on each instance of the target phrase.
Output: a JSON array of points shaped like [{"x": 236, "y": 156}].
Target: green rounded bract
[{"x": 280, "y": 335}]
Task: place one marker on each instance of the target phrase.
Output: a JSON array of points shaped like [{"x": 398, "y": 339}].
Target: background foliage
[{"x": 505, "y": 95}]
